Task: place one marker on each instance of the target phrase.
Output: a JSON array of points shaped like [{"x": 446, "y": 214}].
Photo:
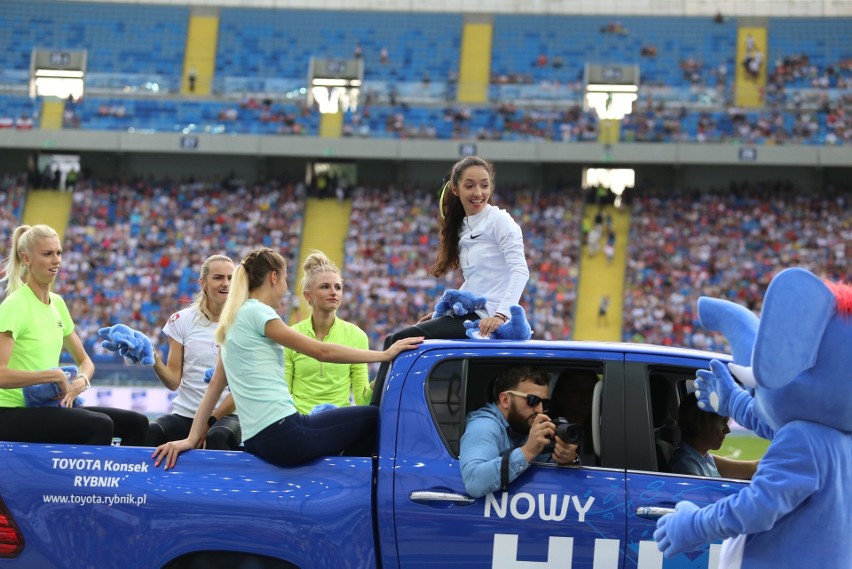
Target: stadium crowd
[
  {"x": 392, "y": 241},
  {"x": 724, "y": 244},
  {"x": 133, "y": 248},
  {"x": 13, "y": 189}
]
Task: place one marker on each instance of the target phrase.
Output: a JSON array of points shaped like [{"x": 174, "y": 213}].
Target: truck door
[
  {"x": 566, "y": 517},
  {"x": 655, "y": 384}
]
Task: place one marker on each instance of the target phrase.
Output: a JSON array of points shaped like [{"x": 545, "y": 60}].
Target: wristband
[
  {"x": 85, "y": 378},
  {"x": 211, "y": 421},
  {"x": 502, "y": 317}
]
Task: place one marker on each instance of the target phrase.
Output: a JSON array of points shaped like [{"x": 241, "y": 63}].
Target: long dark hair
[{"x": 452, "y": 214}]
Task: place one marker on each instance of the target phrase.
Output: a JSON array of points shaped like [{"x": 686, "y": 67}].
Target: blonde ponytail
[
  {"x": 24, "y": 239},
  {"x": 237, "y": 296},
  {"x": 249, "y": 275}
]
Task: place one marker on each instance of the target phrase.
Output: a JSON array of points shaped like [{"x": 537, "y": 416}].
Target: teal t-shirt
[
  {"x": 38, "y": 330},
  {"x": 254, "y": 366}
]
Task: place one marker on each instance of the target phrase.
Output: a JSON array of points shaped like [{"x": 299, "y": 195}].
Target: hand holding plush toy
[
  {"x": 47, "y": 394},
  {"x": 515, "y": 328},
  {"x": 133, "y": 345}
]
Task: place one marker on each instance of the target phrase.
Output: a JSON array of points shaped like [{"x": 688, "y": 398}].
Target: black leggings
[
  {"x": 446, "y": 327},
  {"x": 78, "y": 425},
  {"x": 225, "y": 434},
  {"x": 297, "y": 439}
]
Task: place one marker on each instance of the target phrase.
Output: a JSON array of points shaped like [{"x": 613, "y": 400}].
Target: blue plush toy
[
  {"x": 321, "y": 407},
  {"x": 46, "y": 394},
  {"x": 797, "y": 510},
  {"x": 458, "y": 302},
  {"x": 133, "y": 345},
  {"x": 516, "y": 328}
]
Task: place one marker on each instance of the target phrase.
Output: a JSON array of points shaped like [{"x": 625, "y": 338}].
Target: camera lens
[{"x": 570, "y": 433}]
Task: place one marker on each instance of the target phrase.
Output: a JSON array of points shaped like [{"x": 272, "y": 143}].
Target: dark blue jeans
[{"x": 297, "y": 439}]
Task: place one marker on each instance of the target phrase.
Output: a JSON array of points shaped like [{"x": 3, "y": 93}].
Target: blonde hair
[
  {"x": 248, "y": 276},
  {"x": 315, "y": 263},
  {"x": 201, "y": 300},
  {"x": 24, "y": 239}
]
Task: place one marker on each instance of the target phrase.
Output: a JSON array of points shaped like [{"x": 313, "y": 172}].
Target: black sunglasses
[{"x": 532, "y": 399}]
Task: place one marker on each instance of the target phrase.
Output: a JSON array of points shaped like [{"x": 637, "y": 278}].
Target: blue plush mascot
[
  {"x": 132, "y": 344},
  {"x": 458, "y": 303},
  {"x": 797, "y": 510}
]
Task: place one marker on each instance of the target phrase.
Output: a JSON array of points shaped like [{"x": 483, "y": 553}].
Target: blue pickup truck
[{"x": 406, "y": 506}]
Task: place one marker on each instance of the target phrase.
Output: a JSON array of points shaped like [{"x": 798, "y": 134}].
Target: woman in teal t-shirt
[
  {"x": 35, "y": 326},
  {"x": 251, "y": 363}
]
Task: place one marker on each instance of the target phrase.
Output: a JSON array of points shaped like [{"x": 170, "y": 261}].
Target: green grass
[{"x": 743, "y": 447}]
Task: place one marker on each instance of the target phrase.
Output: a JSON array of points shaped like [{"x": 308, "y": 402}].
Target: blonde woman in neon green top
[
  {"x": 35, "y": 327},
  {"x": 313, "y": 382}
]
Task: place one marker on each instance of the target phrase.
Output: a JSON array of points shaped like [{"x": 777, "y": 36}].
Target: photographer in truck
[{"x": 503, "y": 438}]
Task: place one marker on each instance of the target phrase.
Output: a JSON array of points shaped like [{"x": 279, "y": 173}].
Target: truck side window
[
  {"x": 664, "y": 415},
  {"x": 572, "y": 398},
  {"x": 446, "y": 397},
  {"x": 666, "y": 386}
]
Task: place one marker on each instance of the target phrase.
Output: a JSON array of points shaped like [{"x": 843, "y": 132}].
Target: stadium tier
[
  {"x": 125, "y": 42},
  {"x": 688, "y": 68},
  {"x": 829, "y": 124},
  {"x": 260, "y": 44},
  {"x": 556, "y": 48}
]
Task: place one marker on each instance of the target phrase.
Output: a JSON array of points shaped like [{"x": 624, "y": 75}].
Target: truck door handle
[
  {"x": 653, "y": 512},
  {"x": 427, "y": 496}
]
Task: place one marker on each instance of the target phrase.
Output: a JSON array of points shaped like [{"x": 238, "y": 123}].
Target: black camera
[{"x": 570, "y": 433}]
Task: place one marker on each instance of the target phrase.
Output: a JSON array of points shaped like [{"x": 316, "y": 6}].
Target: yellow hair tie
[{"x": 441, "y": 199}]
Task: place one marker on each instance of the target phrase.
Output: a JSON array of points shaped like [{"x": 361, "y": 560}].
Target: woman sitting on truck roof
[
  {"x": 193, "y": 351},
  {"x": 312, "y": 382},
  {"x": 251, "y": 363},
  {"x": 35, "y": 326},
  {"x": 485, "y": 243}
]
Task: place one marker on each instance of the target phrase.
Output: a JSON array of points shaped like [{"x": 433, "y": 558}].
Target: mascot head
[{"x": 798, "y": 355}]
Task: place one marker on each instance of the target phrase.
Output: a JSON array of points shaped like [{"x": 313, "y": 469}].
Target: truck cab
[{"x": 599, "y": 514}]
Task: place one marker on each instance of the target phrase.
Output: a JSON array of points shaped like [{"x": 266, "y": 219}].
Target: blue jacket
[{"x": 486, "y": 436}]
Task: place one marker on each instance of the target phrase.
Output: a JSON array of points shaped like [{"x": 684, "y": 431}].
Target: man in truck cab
[{"x": 503, "y": 438}]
